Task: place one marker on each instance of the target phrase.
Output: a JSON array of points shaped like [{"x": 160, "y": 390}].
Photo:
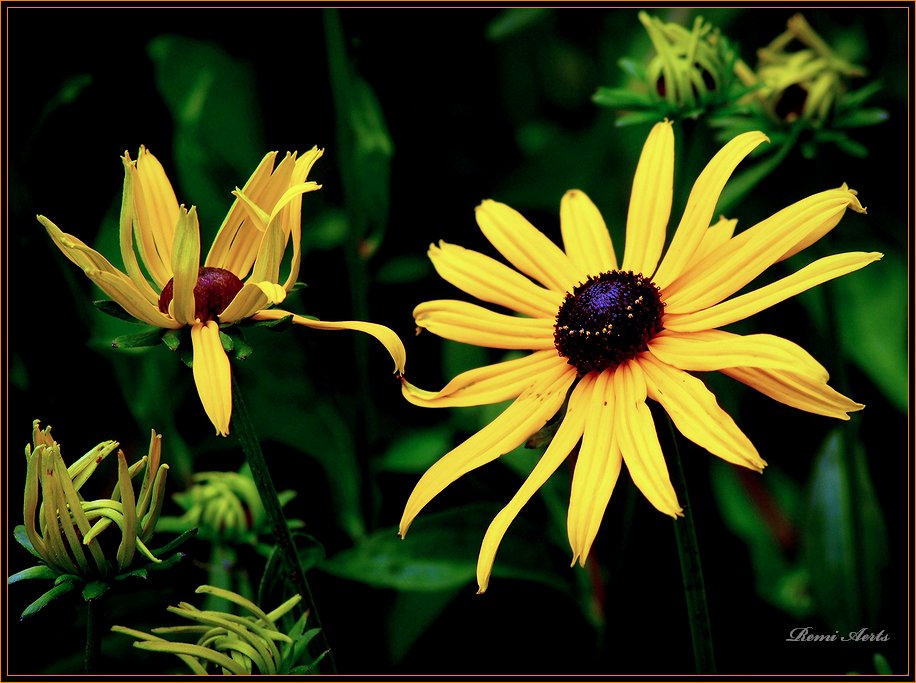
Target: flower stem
[
  {"x": 93, "y": 651},
  {"x": 244, "y": 431},
  {"x": 691, "y": 570}
]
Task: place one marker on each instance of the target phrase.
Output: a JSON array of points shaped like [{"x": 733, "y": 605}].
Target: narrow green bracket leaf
[
  {"x": 42, "y": 602},
  {"x": 39, "y": 571},
  {"x": 149, "y": 337}
]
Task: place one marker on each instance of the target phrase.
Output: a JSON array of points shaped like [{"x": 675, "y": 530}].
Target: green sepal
[
  {"x": 114, "y": 309},
  {"x": 148, "y": 337},
  {"x": 39, "y": 571},
  {"x": 172, "y": 339},
  {"x": 859, "y": 118},
  {"x": 64, "y": 578},
  {"x": 632, "y": 68},
  {"x": 23, "y": 539},
  {"x": 298, "y": 285},
  {"x": 166, "y": 564},
  {"x": 175, "y": 542},
  {"x": 854, "y": 99},
  {"x": 234, "y": 342},
  {"x": 637, "y": 117},
  {"x": 226, "y": 341},
  {"x": 139, "y": 573},
  {"x": 279, "y": 325},
  {"x": 94, "y": 590},
  {"x": 187, "y": 356},
  {"x": 621, "y": 98},
  {"x": 58, "y": 590}
]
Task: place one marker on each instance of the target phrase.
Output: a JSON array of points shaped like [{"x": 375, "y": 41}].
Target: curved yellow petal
[
  {"x": 252, "y": 297},
  {"x": 746, "y": 305},
  {"x": 294, "y": 213},
  {"x": 489, "y": 280},
  {"x": 212, "y": 374},
  {"x": 487, "y": 384},
  {"x": 701, "y": 204},
  {"x": 472, "y": 324},
  {"x": 635, "y": 432},
  {"x": 270, "y": 254},
  {"x": 124, "y": 292},
  {"x": 391, "y": 341},
  {"x": 597, "y": 468},
  {"x": 797, "y": 391},
  {"x": 527, "y": 414},
  {"x": 185, "y": 266},
  {"x": 526, "y": 247},
  {"x": 650, "y": 201},
  {"x": 696, "y": 414},
  {"x": 75, "y": 249},
  {"x": 585, "y": 235},
  {"x": 563, "y": 442},
  {"x": 715, "y": 237},
  {"x": 746, "y": 256},
  {"x": 156, "y": 210},
  {"x": 715, "y": 349},
  {"x": 126, "y": 237}
]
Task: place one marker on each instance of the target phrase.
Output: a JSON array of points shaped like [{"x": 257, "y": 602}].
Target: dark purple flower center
[
  {"x": 607, "y": 320},
  {"x": 215, "y": 289}
]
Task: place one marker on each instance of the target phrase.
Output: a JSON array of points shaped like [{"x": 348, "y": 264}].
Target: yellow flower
[
  {"x": 624, "y": 333},
  {"x": 169, "y": 288}
]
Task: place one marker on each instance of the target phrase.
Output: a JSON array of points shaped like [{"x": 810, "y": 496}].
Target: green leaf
[
  {"x": 859, "y": 118},
  {"x": 411, "y": 615},
  {"x": 41, "y": 602},
  {"x": 416, "y": 450},
  {"x": 174, "y": 543},
  {"x": 149, "y": 337},
  {"x": 311, "y": 551},
  {"x": 94, "y": 590},
  {"x": 845, "y": 540},
  {"x": 513, "y": 21},
  {"x": 403, "y": 269},
  {"x": 114, "y": 310},
  {"x": 22, "y": 538},
  {"x": 878, "y": 292},
  {"x": 621, "y": 98},
  {"x": 632, "y": 68},
  {"x": 39, "y": 571},
  {"x": 851, "y": 147},
  {"x": 856, "y": 98},
  {"x": 637, "y": 117}
]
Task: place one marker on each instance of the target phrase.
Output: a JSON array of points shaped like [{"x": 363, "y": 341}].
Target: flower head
[
  {"x": 240, "y": 277},
  {"x": 621, "y": 332},
  {"x": 233, "y": 644}
]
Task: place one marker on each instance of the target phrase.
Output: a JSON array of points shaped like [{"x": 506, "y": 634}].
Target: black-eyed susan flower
[
  {"x": 227, "y": 643},
  {"x": 66, "y": 532},
  {"x": 240, "y": 278},
  {"x": 619, "y": 332}
]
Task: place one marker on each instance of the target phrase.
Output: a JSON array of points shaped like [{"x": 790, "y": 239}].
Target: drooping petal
[
  {"x": 126, "y": 236},
  {"x": 156, "y": 210},
  {"x": 696, "y": 414},
  {"x": 585, "y": 235},
  {"x": 252, "y": 297},
  {"x": 563, "y": 442},
  {"x": 650, "y": 201},
  {"x": 714, "y": 237},
  {"x": 526, "y": 247},
  {"x": 746, "y": 256},
  {"x": 521, "y": 419},
  {"x": 212, "y": 374},
  {"x": 124, "y": 292},
  {"x": 635, "y": 433},
  {"x": 701, "y": 204},
  {"x": 472, "y": 324},
  {"x": 487, "y": 384},
  {"x": 746, "y": 305},
  {"x": 185, "y": 265},
  {"x": 489, "y": 280},
  {"x": 597, "y": 468},
  {"x": 386, "y": 336},
  {"x": 715, "y": 349},
  {"x": 76, "y": 250},
  {"x": 797, "y": 391}
]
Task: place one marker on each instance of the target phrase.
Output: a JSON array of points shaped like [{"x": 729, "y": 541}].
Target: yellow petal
[
  {"x": 526, "y": 247},
  {"x": 294, "y": 211},
  {"x": 156, "y": 214},
  {"x": 701, "y": 204},
  {"x": 746, "y": 305},
  {"x": 485, "y": 385},
  {"x": 472, "y": 324},
  {"x": 597, "y": 469},
  {"x": 270, "y": 253},
  {"x": 715, "y": 236},
  {"x": 527, "y": 414},
  {"x": 75, "y": 249},
  {"x": 386, "y": 336},
  {"x": 185, "y": 266},
  {"x": 798, "y": 391},
  {"x": 696, "y": 414},
  {"x": 635, "y": 432},
  {"x": 489, "y": 280},
  {"x": 563, "y": 442},
  {"x": 716, "y": 349},
  {"x": 126, "y": 235},
  {"x": 585, "y": 235},
  {"x": 746, "y": 256},
  {"x": 212, "y": 374},
  {"x": 252, "y": 297},
  {"x": 650, "y": 201},
  {"x": 124, "y": 292},
  {"x": 128, "y": 545}
]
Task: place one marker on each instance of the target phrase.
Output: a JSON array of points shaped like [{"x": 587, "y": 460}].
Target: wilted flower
[{"x": 234, "y": 644}]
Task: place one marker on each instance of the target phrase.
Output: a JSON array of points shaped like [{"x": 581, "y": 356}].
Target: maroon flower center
[
  {"x": 215, "y": 289},
  {"x": 608, "y": 319}
]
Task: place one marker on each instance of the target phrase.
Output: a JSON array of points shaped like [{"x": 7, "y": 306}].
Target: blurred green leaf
[
  {"x": 114, "y": 310},
  {"x": 621, "y": 98},
  {"x": 416, "y": 450},
  {"x": 873, "y": 324},
  {"x": 845, "y": 540},
  {"x": 403, "y": 269},
  {"x": 326, "y": 230},
  {"x": 440, "y": 552},
  {"x": 149, "y": 337},
  {"x": 856, "y": 98},
  {"x": 218, "y": 141},
  {"x": 858, "y": 118},
  {"x": 515, "y": 20},
  {"x": 411, "y": 615}
]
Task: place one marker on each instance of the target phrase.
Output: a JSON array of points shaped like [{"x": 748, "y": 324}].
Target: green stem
[
  {"x": 93, "y": 651},
  {"x": 244, "y": 431},
  {"x": 691, "y": 570}
]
